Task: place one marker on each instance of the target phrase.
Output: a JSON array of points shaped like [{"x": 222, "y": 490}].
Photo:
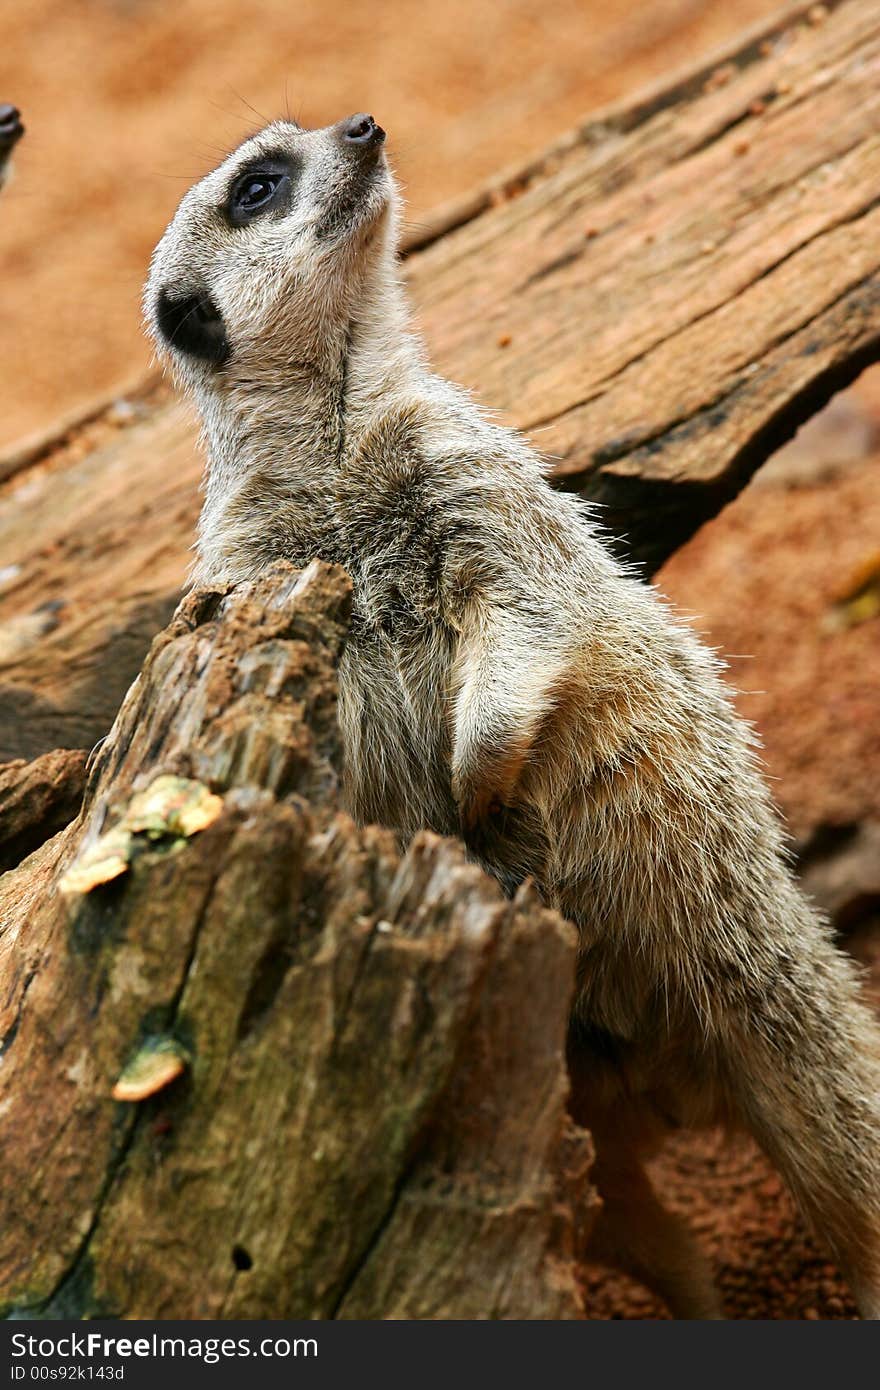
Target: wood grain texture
[
  {"x": 659, "y": 301},
  {"x": 666, "y": 299},
  {"x": 37, "y": 800}
]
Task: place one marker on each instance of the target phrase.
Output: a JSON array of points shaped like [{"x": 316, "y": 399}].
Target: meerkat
[
  {"x": 11, "y": 131},
  {"x": 508, "y": 681}
]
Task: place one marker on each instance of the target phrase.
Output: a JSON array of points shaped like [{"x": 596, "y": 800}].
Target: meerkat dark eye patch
[
  {"x": 193, "y": 325},
  {"x": 263, "y": 188}
]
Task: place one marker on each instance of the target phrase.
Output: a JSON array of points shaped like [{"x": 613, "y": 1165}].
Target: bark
[
  {"x": 665, "y": 297},
  {"x": 367, "y": 1111}
]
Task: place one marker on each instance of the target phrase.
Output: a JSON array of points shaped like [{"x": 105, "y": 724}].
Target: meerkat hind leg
[{"x": 637, "y": 1234}]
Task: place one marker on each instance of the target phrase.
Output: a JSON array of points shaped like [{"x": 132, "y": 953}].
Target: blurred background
[{"x": 127, "y": 102}]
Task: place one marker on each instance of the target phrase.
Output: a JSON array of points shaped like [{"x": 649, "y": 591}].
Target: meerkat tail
[{"x": 806, "y": 1074}]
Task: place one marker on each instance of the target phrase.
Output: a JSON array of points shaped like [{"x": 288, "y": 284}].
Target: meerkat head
[{"x": 267, "y": 257}]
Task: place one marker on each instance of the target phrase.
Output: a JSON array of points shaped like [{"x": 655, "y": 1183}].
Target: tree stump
[{"x": 346, "y": 1064}]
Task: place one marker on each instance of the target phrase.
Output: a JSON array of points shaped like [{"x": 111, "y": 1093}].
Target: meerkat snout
[
  {"x": 280, "y": 234},
  {"x": 362, "y": 132}
]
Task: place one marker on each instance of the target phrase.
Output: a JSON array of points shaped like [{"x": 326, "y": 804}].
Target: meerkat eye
[{"x": 257, "y": 191}]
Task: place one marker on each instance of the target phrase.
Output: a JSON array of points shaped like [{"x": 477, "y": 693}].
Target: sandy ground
[{"x": 127, "y": 101}]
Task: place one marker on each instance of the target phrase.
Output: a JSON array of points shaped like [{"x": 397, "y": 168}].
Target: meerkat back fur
[{"x": 508, "y": 681}]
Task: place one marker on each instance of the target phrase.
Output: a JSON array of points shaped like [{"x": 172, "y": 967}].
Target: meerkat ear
[
  {"x": 11, "y": 131},
  {"x": 194, "y": 325}
]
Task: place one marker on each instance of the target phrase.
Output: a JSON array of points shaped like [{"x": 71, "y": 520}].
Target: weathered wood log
[
  {"x": 37, "y": 800},
  {"x": 357, "y": 1055},
  {"x": 660, "y": 301},
  {"x": 673, "y": 291}
]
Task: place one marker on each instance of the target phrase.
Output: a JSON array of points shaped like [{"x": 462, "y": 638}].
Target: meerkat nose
[
  {"x": 11, "y": 128},
  {"x": 362, "y": 132}
]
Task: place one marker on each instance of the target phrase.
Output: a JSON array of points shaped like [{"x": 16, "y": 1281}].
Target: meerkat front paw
[
  {"x": 487, "y": 785},
  {"x": 477, "y": 805}
]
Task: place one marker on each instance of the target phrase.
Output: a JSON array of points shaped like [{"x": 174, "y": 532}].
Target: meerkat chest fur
[{"x": 395, "y": 676}]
